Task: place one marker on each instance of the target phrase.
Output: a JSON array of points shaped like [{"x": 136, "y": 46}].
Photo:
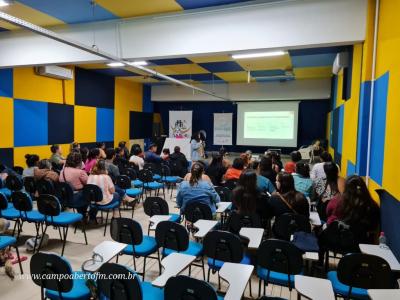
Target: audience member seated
[
  {"x": 316, "y": 151},
  {"x": 236, "y": 169},
  {"x": 197, "y": 190},
  {"x": 290, "y": 167},
  {"x": 250, "y": 157},
  {"x": 56, "y": 157},
  {"x": 203, "y": 177},
  {"x": 302, "y": 181},
  {"x": 137, "y": 149},
  {"x": 245, "y": 194},
  {"x": 136, "y": 158},
  {"x": 328, "y": 187},
  {"x": 73, "y": 174},
  {"x": 197, "y": 147},
  {"x": 112, "y": 169},
  {"x": 264, "y": 185},
  {"x": 84, "y": 154},
  {"x": 246, "y": 161},
  {"x": 122, "y": 145},
  {"x": 94, "y": 155},
  {"x": 277, "y": 164},
  {"x": 102, "y": 148},
  {"x": 179, "y": 159},
  {"x": 31, "y": 163},
  {"x": 120, "y": 159},
  {"x": 44, "y": 171},
  {"x": 150, "y": 156},
  {"x": 165, "y": 154},
  {"x": 357, "y": 209},
  {"x": 317, "y": 171},
  {"x": 74, "y": 147},
  {"x": 266, "y": 169},
  {"x": 287, "y": 199},
  {"x": 216, "y": 169}
]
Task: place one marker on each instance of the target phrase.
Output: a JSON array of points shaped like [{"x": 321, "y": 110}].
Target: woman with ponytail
[{"x": 197, "y": 190}]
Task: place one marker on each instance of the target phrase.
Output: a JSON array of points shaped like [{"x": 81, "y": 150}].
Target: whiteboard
[
  {"x": 223, "y": 129},
  {"x": 170, "y": 143}
]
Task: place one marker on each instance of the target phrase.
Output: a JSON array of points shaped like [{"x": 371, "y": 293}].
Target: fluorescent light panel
[
  {"x": 4, "y": 3},
  {"x": 258, "y": 54},
  {"x": 115, "y": 64},
  {"x": 139, "y": 63}
]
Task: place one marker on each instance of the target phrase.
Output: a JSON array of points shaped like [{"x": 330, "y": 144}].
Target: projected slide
[{"x": 268, "y": 124}]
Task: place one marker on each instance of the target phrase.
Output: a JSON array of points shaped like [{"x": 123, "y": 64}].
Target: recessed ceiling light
[
  {"x": 116, "y": 64},
  {"x": 258, "y": 54},
  {"x": 4, "y": 3},
  {"x": 139, "y": 63}
]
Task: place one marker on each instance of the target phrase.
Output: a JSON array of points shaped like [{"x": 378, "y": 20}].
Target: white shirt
[
  {"x": 317, "y": 172},
  {"x": 137, "y": 161}
]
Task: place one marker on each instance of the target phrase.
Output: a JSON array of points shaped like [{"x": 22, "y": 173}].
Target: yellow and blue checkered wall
[{"x": 38, "y": 111}]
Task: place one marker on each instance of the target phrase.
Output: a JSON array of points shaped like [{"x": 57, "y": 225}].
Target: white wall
[
  {"x": 291, "y": 24},
  {"x": 306, "y": 89}
]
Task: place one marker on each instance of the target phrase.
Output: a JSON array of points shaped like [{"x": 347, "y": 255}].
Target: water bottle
[{"x": 382, "y": 240}]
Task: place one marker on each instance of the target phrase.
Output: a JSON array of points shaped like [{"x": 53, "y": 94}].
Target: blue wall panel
[
  {"x": 30, "y": 123},
  {"x": 105, "y": 125},
  {"x": 334, "y": 84},
  {"x": 351, "y": 168},
  {"x": 7, "y": 157},
  {"x": 6, "y": 83},
  {"x": 363, "y": 123},
  {"x": 379, "y": 128},
  {"x": 60, "y": 123}
]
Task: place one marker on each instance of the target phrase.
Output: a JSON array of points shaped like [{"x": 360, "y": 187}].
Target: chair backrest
[
  {"x": 187, "y": 288},
  {"x": 3, "y": 202},
  {"x": 155, "y": 206},
  {"x": 176, "y": 168},
  {"x": 127, "y": 231},
  {"x": 224, "y": 193},
  {"x": 287, "y": 224},
  {"x": 65, "y": 193},
  {"x": 230, "y": 184},
  {"x": 130, "y": 172},
  {"x": 45, "y": 186},
  {"x": 365, "y": 271},
  {"x": 145, "y": 176},
  {"x": 48, "y": 205},
  {"x": 165, "y": 171},
  {"x": 195, "y": 211},
  {"x": 92, "y": 193},
  {"x": 117, "y": 282},
  {"x": 22, "y": 201},
  {"x": 237, "y": 221},
  {"x": 339, "y": 238},
  {"x": 280, "y": 256},
  {"x": 223, "y": 246},
  {"x": 172, "y": 235},
  {"x": 154, "y": 168},
  {"x": 57, "y": 267},
  {"x": 123, "y": 181},
  {"x": 14, "y": 183},
  {"x": 30, "y": 184}
]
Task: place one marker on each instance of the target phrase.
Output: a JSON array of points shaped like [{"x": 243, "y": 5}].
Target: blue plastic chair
[
  {"x": 128, "y": 231},
  {"x": 124, "y": 285},
  {"x": 173, "y": 237},
  {"x": 357, "y": 272},
  {"x": 124, "y": 182},
  {"x": 64, "y": 288},
  {"x": 158, "y": 206},
  {"x": 146, "y": 176},
  {"x": 8, "y": 241},
  {"x": 166, "y": 178},
  {"x": 277, "y": 262},
  {"x": 50, "y": 207}
]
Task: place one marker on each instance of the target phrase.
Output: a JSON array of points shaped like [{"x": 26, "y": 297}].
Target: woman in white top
[
  {"x": 32, "y": 161},
  {"x": 136, "y": 159},
  {"x": 197, "y": 147}
]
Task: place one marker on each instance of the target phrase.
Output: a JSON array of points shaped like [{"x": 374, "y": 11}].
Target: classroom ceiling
[
  {"x": 295, "y": 64},
  {"x": 60, "y": 12}
]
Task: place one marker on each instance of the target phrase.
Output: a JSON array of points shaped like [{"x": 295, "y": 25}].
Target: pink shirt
[
  {"x": 89, "y": 164},
  {"x": 77, "y": 178},
  {"x": 106, "y": 185}
]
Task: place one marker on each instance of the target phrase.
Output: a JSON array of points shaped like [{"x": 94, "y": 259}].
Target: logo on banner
[{"x": 181, "y": 129}]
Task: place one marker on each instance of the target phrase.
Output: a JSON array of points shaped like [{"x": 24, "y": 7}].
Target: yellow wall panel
[
  {"x": 180, "y": 69},
  {"x": 28, "y": 85},
  {"x": 85, "y": 124},
  {"x": 282, "y": 62},
  {"x": 313, "y": 72},
  {"x": 6, "y": 123},
  {"x": 128, "y": 97},
  {"x": 43, "y": 152}
]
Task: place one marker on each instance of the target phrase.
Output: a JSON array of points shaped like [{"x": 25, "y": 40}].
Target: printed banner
[
  {"x": 223, "y": 129},
  {"x": 180, "y": 124}
]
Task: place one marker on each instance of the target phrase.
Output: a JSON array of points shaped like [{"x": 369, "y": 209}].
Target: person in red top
[
  {"x": 290, "y": 167},
  {"x": 234, "y": 172}
]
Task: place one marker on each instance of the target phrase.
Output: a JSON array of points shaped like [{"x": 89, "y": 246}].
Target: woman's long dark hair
[
  {"x": 288, "y": 191},
  {"x": 196, "y": 137},
  {"x": 93, "y": 153},
  {"x": 357, "y": 203},
  {"x": 216, "y": 160},
  {"x": 332, "y": 175},
  {"x": 196, "y": 173},
  {"x": 245, "y": 194}
]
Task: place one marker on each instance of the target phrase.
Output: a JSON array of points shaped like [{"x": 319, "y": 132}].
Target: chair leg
[
  {"x": 190, "y": 269},
  {"x": 37, "y": 236},
  {"x": 134, "y": 262},
  {"x": 59, "y": 232},
  {"x": 208, "y": 274},
  {"x": 159, "y": 260},
  {"x": 219, "y": 282},
  {"x": 15, "y": 226},
  {"x": 84, "y": 232},
  {"x": 19, "y": 259},
  {"x": 259, "y": 288},
  {"x": 65, "y": 239},
  {"x": 105, "y": 225},
  {"x": 204, "y": 269},
  {"x": 251, "y": 292},
  {"x": 144, "y": 267}
]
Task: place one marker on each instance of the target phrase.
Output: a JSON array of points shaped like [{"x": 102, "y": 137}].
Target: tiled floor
[{"x": 77, "y": 252}]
